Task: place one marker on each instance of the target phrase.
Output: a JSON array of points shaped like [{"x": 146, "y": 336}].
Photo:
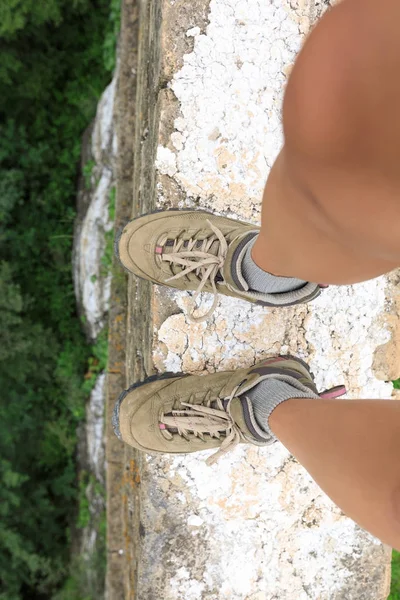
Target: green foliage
[
  {"x": 84, "y": 512},
  {"x": 87, "y": 573},
  {"x": 395, "y": 587},
  {"x": 111, "y": 205},
  {"x": 16, "y": 15},
  {"x": 107, "y": 258},
  {"x": 52, "y": 73},
  {"x": 396, "y": 384},
  {"x": 86, "y": 577},
  {"x": 72, "y": 589},
  {"x": 97, "y": 362},
  {"x": 87, "y": 173},
  {"x": 11, "y": 192},
  {"x": 110, "y": 41}
]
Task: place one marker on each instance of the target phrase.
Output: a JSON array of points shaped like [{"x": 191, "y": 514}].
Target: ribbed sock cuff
[{"x": 261, "y": 281}]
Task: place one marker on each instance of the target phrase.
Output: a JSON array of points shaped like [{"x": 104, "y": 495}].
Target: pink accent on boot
[
  {"x": 335, "y": 392},
  {"x": 268, "y": 361}
]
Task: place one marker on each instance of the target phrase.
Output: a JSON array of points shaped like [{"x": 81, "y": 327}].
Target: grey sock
[
  {"x": 269, "y": 393},
  {"x": 261, "y": 281}
]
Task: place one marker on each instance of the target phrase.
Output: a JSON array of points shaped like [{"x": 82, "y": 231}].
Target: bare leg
[
  {"x": 334, "y": 191},
  {"x": 352, "y": 450}
]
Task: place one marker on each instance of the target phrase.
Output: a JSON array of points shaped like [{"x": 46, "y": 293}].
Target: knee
[
  {"x": 341, "y": 128},
  {"x": 338, "y": 102}
]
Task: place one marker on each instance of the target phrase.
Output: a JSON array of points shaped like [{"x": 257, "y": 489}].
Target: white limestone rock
[
  {"x": 267, "y": 531},
  {"x": 92, "y": 279}
]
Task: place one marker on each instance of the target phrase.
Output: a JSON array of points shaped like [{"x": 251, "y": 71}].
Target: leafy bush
[
  {"x": 106, "y": 259},
  {"x": 52, "y": 73},
  {"x": 111, "y": 38},
  {"x": 395, "y": 587}
]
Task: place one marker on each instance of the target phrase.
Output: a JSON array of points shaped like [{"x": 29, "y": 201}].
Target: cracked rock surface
[{"x": 254, "y": 526}]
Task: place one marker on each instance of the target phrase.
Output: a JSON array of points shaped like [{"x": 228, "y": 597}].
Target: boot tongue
[{"x": 232, "y": 268}]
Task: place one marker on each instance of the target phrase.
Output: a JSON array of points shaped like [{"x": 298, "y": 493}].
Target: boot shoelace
[{"x": 200, "y": 261}]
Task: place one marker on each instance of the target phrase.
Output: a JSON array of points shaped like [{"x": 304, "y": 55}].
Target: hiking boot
[
  {"x": 197, "y": 251},
  {"x": 175, "y": 413}
]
